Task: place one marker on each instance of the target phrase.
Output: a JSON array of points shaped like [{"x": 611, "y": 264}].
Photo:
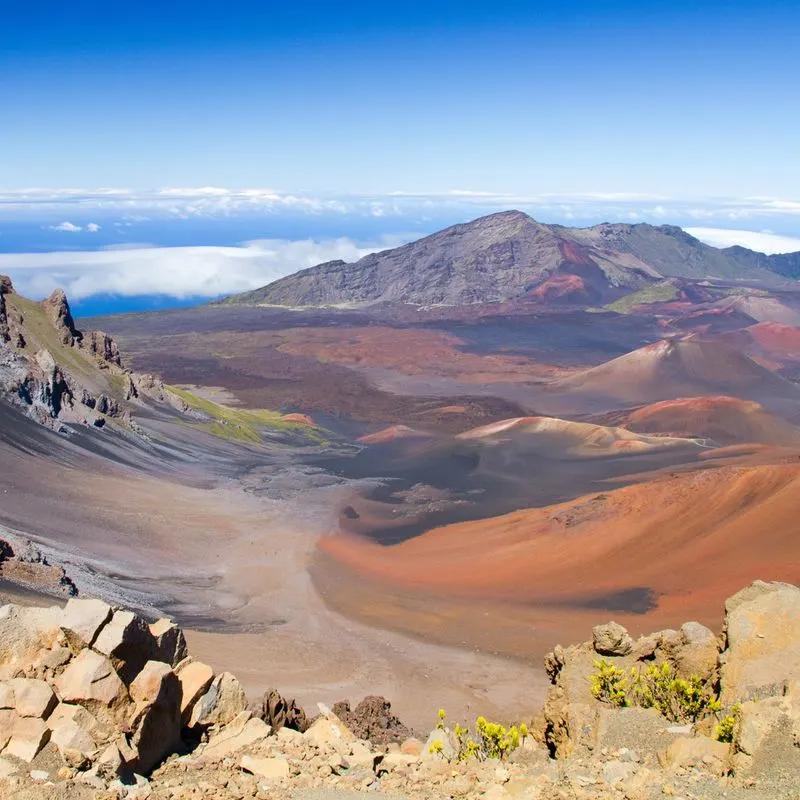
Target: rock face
[
  {"x": 509, "y": 256},
  {"x": 57, "y": 308},
  {"x": 762, "y": 631},
  {"x": 5, "y": 288},
  {"x": 58, "y": 374}
]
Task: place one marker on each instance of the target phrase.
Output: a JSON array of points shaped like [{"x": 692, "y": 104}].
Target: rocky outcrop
[
  {"x": 5, "y": 288},
  {"x": 58, "y": 311},
  {"x": 103, "y": 347},
  {"x": 373, "y": 719},
  {"x": 23, "y": 564},
  {"x": 279, "y": 712},
  {"x": 753, "y": 667},
  {"x": 97, "y": 703}
]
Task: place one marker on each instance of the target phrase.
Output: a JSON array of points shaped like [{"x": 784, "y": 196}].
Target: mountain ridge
[{"x": 508, "y": 256}]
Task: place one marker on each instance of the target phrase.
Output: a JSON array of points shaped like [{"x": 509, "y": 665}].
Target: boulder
[
  {"x": 156, "y": 719},
  {"x": 242, "y": 732},
  {"x": 328, "y": 731},
  {"x": 693, "y": 650},
  {"x": 28, "y": 736},
  {"x": 611, "y": 639},
  {"x": 756, "y": 722},
  {"x": 127, "y": 641},
  {"x": 222, "y": 702},
  {"x": 31, "y": 697},
  {"x": 25, "y": 631},
  {"x": 195, "y": 677},
  {"x": 279, "y": 712},
  {"x": 762, "y": 634},
  {"x": 170, "y": 644},
  {"x": 74, "y": 730},
  {"x": 271, "y": 769},
  {"x": 82, "y": 621},
  {"x": 90, "y": 681},
  {"x": 431, "y": 750},
  {"x": 372, "y": 719}
]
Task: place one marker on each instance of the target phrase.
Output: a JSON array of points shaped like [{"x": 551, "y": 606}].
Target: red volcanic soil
[
  {"x": 675, "y": 368},
  {"x": 727, "y": 420},
  {"x": 683, "y": 542},
  {"x": 393, "y": 434},
  {"x": 561, "y": 289},
  {"x": 304, "y": 419},
  {"x": 775, "y": 338},
  {"x": 409, "y": 351}
]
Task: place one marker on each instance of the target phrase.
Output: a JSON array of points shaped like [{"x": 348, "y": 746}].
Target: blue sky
[
  {"x": 376, "y": 122},
  {"x": 692, "y": 98}
]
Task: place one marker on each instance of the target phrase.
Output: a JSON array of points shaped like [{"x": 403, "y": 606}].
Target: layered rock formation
[{"x": 97, "y": 703}]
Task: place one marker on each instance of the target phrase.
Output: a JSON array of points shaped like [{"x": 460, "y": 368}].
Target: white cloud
[
  {"x": 213, "y": 201},
  {"x": 175, "y": 271},
  {"x": 70, "y": 227},
  {"x": 66, "y": 226},
  {"x": 760, "y": 241}
]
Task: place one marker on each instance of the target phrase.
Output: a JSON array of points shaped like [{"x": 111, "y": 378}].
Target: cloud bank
[
  {"x": 179, "y": 272},
  {"x": 761, "y": 241},
  {"x": 212, "y": 201},
  {"x": 189, "y": 272}
]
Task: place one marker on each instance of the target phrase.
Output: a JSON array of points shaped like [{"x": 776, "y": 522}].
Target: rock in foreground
[{"x": 96, "y": 703}]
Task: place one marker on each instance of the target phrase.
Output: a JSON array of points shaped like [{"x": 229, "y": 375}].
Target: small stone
[
  {"x": 615, "y": 772},
  {"x": 329, "y": 731}
]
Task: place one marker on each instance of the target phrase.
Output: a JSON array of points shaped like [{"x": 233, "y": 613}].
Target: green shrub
[
  {"x": 658, "y": 687},
  {"x": 491, "y": 739},
  {"x": 677, "y": 699},
  {"x": 609, "y": 684},
  {"x": 727, "y": 725}
]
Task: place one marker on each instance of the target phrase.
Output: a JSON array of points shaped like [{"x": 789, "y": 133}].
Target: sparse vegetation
[
  {"x": 242, "y": 424},
  {"x": 609, "y": 683},
  {"x": 727, "y": 725},
  {"x": 491, "y": 740},
  {"x": 656, "y": 687},
  {"x": 656, "y": 293}
]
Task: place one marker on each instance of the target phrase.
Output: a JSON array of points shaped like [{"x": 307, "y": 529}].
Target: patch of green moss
[
  {"x": 243, "y": 424},
  {"x": 656, "y": 293}
]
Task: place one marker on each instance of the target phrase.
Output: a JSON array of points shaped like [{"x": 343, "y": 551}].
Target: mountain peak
[{"x": 509, "y": 256}]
